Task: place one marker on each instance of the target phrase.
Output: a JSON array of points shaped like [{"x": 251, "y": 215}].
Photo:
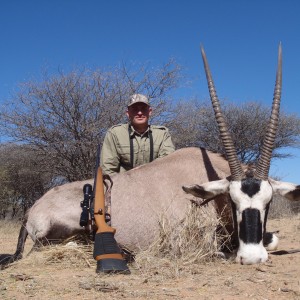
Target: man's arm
[
  {"x": 167, "y": 145},
  {"x": 110, "y": 160}
]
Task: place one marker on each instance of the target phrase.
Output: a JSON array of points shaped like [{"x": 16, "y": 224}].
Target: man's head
[{"x": 139, "y": 112}]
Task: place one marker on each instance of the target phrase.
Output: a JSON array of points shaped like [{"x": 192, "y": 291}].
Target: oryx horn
[
  {"x": 236, "y": 170},
  {"x": 263, "y": 166}
]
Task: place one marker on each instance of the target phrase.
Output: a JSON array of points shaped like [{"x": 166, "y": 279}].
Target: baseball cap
[{"x": 138, "y": 98}]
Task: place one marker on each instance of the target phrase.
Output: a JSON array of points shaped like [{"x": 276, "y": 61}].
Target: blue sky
[{"x": 240, "y": 38}]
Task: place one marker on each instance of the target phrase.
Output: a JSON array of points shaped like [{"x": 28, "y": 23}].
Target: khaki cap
[{"x": 138, "y": 98}]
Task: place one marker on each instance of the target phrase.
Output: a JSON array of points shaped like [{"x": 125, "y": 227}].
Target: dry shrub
[
  {"x": 183, "y": 245},
  {"x": 281, "y": 207}
]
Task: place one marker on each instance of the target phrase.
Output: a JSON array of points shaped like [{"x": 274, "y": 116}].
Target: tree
[
  {"x": 21, "y": 178},
  {"x": 194, "y": 124},
  {"x": 64, "y": 117},
  {"x": 5, "y": 194}
]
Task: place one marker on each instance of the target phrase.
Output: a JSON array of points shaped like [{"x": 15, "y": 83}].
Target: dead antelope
[{"x": 139, "y": 199}]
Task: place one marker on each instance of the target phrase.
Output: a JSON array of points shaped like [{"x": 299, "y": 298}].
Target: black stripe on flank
[
  {"x": 251, "y": 186},
  {"x": 251, "y": 226},
  {"x": 210, "y": 171}
]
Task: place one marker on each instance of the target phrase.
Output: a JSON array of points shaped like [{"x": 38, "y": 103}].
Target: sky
[{"x": 240, "y": 38}]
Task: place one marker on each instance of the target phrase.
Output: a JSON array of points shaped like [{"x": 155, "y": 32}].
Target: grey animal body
[{"x": 140, "y": 197}]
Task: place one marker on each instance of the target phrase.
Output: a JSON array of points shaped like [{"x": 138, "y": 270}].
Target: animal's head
[{"x": 251, "y": 192}]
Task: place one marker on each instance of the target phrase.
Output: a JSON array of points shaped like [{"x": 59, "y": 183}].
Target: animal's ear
[
  {"x": 208, "y": 190},
  {"x": 288, "y": 190}
]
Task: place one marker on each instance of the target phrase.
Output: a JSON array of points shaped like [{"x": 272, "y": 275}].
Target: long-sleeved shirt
[{"x": 115, "y": 153}]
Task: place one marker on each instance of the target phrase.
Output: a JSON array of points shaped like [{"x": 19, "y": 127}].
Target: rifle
[{"x": 106, "y": 249}]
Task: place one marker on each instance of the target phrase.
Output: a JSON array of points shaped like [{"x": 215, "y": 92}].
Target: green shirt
[{"x": 115, "y": 153}]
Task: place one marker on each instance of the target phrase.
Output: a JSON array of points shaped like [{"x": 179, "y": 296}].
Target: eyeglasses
[{"x": 138, "y": 108}]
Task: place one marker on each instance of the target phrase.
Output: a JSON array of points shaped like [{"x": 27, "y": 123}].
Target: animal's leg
[
  {"x": 6, "y": 259},
  {"x": 270, "y": 240}
]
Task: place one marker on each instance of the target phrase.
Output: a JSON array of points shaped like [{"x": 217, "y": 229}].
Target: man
[{"x": 130, "y": 145}]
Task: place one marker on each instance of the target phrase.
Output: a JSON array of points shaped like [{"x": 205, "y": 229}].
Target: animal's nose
[
  {"x": 244, "y": 261},
  {"x": 249, "y": 254}
]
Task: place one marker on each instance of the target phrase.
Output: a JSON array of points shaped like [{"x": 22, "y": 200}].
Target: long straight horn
[
  {"x": 262, "y": 169},
  {"x": 233, "y": 161}
]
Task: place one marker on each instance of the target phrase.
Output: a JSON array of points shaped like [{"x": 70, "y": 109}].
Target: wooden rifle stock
[
  {"x": 106, "y": 249},
  {"x": 99, "y": 205}
]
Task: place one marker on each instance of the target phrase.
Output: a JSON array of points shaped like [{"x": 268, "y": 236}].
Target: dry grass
[
  {"x": 174, "y": 267},
  {"x": 281, "y": 208},
  {"x": 69, "y": 256},
  {"x": 178, "y": 248},
  {"x": 9, "y": 231}
]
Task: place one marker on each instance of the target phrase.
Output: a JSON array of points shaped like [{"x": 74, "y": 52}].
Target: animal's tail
[{"x": 6, "y": 259}]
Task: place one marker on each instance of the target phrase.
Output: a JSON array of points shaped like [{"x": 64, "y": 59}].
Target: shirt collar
[{"x": 133, "y": 132}]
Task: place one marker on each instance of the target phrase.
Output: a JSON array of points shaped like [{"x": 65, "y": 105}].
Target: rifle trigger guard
[{"x": 99, "y": 212}]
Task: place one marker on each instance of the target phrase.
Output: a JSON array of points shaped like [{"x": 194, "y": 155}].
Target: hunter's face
[{"x": 139, "y": 114}]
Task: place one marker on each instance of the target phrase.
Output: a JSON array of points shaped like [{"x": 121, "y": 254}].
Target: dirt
[{"x": 62, "y": 277}]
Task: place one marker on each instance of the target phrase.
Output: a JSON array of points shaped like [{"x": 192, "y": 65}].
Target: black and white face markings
[{"x": 251, "y": 197}]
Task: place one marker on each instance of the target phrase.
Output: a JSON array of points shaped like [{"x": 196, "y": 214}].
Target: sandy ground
[{"x": 62, "y": 277}]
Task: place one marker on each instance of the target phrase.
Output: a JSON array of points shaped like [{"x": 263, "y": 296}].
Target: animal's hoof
[{"x": 111, "y": 265}]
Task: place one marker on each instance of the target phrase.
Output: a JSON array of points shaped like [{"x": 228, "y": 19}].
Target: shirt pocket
[
  {"x": 124, "y": 154},
  {"x": 156, "y": 147}
]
